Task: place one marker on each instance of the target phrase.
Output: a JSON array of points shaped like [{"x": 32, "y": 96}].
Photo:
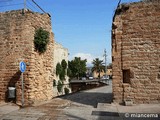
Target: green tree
[
  {"x": 77, "y": 67},
  {"x": 61, "y": 70},
  {"x": 98, "y": 66},
  {"x": 58, "y": 69},
  {"x": 59, "y": 86},
  {"x": 62, "y": 74},
  {"x": 64, "y": 64},
  {"x": 69, "y": 72}
]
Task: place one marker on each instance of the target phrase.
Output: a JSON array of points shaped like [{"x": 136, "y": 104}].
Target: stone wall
[
  {"x": 16, "y": 44},
  {"x": 136, "y": 52}
]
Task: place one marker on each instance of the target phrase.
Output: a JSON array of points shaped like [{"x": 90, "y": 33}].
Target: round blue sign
[{"x": 22, "y": 66}]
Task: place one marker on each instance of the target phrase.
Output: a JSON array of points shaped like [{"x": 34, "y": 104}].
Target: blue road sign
[{"x": 22, "y": 66}]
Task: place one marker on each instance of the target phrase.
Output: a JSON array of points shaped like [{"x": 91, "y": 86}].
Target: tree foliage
[
  {"x": 77, "y": 67},
  {"x": 62, "y": 74},
  {"x": 58, "y": 69},
  {"x": 59, "y": 86},
  {"x": 61, "y": 70},
  {"x": 98, "y": 66},
  {"x": 66, "y": 90},
  {"x": 41, "y": 39},
  {"x": 64, "y": 64}
]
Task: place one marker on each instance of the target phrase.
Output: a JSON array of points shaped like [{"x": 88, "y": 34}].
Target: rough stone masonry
[
  {"x": 136, "y": 52},
  {"x": 17, "y": 31}
]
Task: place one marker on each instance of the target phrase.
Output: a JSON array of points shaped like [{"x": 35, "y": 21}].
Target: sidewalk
[
  {"x": 43, "y": 111},
  {"x": 58, "y": 109},
  {"x": 110, "y": 112},
  {"x": 6, "y": 108}
]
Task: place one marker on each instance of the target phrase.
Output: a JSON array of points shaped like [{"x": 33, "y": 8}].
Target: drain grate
[{"x": 103, "y": 113}]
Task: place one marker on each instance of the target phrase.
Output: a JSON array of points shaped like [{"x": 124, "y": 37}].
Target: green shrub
[
  {"x": 64, "y": 64},
  {"x": 41, "y": 39},
  {"x": 58, "y": 69},
  {"x": 62, "y": 75},
  {"x": 66, "y": 90},
  {"x": 59, "y": 86},
  {"x": 54, "y": 82},
  {"x": 61, "y": 70}
]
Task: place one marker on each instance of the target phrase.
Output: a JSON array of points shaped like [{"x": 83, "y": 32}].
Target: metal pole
[
  {"x": 105, "y": 55},
  {"x": 24, "y": 5},
  {"x": 22, "y": 91}
]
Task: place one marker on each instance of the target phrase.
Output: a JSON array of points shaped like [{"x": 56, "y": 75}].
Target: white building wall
[{"x": 60, "y": 53}]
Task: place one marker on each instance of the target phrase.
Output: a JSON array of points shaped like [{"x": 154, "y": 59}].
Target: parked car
[
  {"x": 90, "y": 78},
  {"x": 83, "y": 78},
  {"x": 105, "y": 77}
]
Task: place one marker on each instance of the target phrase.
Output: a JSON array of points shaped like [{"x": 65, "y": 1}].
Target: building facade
[{"x": 108, "y": 73}]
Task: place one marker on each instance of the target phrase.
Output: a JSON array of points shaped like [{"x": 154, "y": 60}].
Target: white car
[
  {"x": 105, "y": 77},
  {"x": 90, "y": 78}
]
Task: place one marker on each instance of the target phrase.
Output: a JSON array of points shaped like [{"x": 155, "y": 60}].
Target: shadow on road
[{"x": 89, "y": 98}]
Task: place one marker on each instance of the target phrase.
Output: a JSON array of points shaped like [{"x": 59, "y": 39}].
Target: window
[
  {"x": 126, "y": 76},
  {"x": 158, "y": 76}
]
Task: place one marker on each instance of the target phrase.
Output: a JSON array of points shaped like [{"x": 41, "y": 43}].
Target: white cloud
[{"x": 89, "y": 57}]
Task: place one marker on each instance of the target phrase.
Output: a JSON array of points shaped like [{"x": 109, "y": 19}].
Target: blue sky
[{"x": 82, "y": 26}]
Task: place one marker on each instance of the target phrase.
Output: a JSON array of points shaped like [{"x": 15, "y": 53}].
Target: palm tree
[{"x": 98, "y": 66}]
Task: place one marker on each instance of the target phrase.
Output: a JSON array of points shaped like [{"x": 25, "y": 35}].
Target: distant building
[
  {"x": 108, "y": 73},
  {"x": 95, "y": 74},
  {"x": 89, "y": 72}
]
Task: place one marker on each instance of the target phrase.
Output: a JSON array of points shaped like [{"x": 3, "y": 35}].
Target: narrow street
[
  {"x": 94, "y": 104},
  {"x": 77, "y": 106},
  {"x": 84, "y": 104}
]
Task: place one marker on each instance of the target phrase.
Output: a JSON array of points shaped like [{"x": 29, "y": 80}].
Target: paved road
[
  {"x": 84, "y": 103},
  {"x": 94, "y": 104},
  {"x": 56, "y": 108},
  {"x": 91, "y": 97}
]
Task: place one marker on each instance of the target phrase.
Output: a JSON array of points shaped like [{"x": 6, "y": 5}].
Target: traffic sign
[{"x": 22, "y": 67}]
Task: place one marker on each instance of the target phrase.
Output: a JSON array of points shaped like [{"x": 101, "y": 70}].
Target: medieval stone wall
[
  {"x": 16, "y": 44},
  {"x": 136, "y": 52}
]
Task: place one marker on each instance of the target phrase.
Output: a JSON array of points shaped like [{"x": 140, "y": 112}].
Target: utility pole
[
  {"x": 23, "y": 11},
  {"x": 24, "y": 5},
  {"x": 105, "y": 58}
]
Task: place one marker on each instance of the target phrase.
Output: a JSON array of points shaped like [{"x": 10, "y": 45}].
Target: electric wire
[
  {"x": 29, "y": 8},
  {"x": 11, "y": 5},
  {"x": 32, "y": 6},
  {"x": 1, "y": 1},
  {"x": 29, "y": 4}
]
